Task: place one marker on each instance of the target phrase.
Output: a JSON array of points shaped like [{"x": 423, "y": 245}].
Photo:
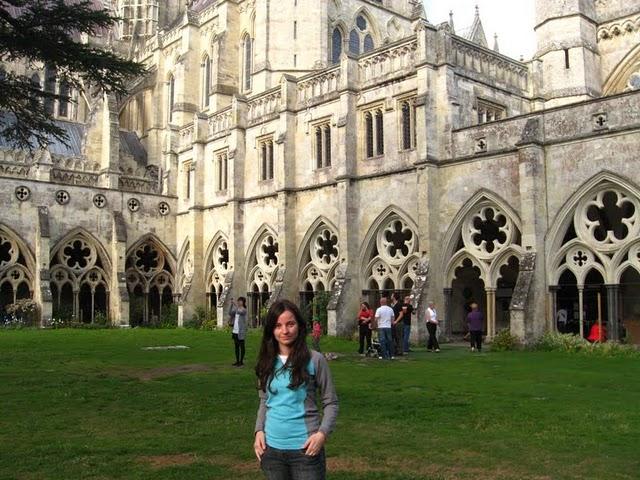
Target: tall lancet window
[
  {"x": 247, "y": 60},
  {"x": 206, "y": 80},
  {"x": 336, "y": 45},
  {"x": 171, "y": 96}
]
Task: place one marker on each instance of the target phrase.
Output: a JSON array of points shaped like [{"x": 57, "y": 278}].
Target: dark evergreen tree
[{"x": 53, "y": 33}]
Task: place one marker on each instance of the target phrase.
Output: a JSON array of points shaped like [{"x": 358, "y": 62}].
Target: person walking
[
  {"x": 475, "y": 320},
  {"x": 290, "y": 431},
  {"x": 238, "y": 322},
  {"x": 365, "y": 315},
  {"x": 384, "y": 319},
  {"x": 432, "y": 328}
]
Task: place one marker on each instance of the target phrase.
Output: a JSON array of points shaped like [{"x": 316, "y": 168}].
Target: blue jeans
[
  {"x": 293, "y": 465},
  {"x": 406, "y": 332},
  {"x": 386, "y": 342}
]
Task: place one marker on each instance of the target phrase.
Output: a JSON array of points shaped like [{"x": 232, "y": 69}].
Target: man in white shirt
[
  {"x": 432, "y": 327},
  {"x": 384, "y": 319}
]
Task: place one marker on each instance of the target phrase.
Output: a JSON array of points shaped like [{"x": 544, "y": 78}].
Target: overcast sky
[{"x": 512, "y": 20}]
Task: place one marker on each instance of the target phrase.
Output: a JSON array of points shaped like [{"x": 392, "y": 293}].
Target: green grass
[{"x": 94, "y": 405}]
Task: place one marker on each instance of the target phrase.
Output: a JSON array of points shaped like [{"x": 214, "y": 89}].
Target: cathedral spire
[{"x": 476, "y": 32}]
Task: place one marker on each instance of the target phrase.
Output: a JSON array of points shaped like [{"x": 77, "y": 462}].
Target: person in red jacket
[
  {"x": 364, "y": 325},
  {"x": 598, "y": 333}
]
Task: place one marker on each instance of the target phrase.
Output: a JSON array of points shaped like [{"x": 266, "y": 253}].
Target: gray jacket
[{"x": 242, "y": 320}]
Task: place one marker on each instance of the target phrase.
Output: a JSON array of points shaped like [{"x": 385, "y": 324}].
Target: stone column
[
  {"x": 119, "y": 300},
  {"x": 42, "y": 281},
  {"x": 581, "y": 307},
  {"x": 613, "y": 311},
  {"x": 553, "y": 291},
  {"x": 491, "y": 312},
  {"x": 448, "y": 299}
]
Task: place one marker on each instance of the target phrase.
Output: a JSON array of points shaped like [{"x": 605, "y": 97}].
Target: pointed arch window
[
  {"x": 354, "y": 42},
  {"x": 49, "y": 87},
  {"x": 171, "y": 96},
  {"x": 368, "y": 44},
  {"x": 206, "y": 80},
  {"x": 336, "y": 45},
  {"x": 265, "y": 147},
  {"x": 247, "y": 60},
  {"x": 374, "y": 132},
  {"x": 408, "y": 124},
  {"x": 323, "y": 145},
  {"x": 65, "y": 97}
]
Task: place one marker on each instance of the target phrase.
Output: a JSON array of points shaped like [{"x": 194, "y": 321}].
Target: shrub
[
  {"x": 24, "y": 311},
  {"x": 169, "y": 317},
  {"x": 197, "y": 319},
  {"x": 211, "y": 321},
  {"x": 504, "y": 341},
  {"x": 100, "y": 318},
  {"x": 565, "y": 342}
]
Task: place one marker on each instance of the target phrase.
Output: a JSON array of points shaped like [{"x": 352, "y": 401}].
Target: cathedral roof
[
  {"x": 199, "y": 5},
  {"x": 72, "y": 148}
]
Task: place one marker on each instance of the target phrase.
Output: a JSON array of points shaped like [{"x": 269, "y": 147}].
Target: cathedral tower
[{"x": 567, "y": 47}]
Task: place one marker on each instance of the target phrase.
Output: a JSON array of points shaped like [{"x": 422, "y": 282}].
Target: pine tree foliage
[{"x": 52, "y": 33}]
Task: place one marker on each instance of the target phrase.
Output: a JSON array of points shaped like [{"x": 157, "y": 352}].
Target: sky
[{"x": 512, "y": 20}]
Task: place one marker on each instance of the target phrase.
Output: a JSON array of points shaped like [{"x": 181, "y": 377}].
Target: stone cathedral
[{"x": 281, "y": 149}]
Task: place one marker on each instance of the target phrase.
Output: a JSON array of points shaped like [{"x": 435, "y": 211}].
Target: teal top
[{"x": 289, "y": 416}]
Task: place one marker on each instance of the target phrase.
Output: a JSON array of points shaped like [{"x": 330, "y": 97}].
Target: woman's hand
[
  {"x": 259, "y": 445},
  {"x": 314, "y": 444}
]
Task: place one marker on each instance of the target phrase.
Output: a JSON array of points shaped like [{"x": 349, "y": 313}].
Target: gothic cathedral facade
[{"x": 282, "y": 149}]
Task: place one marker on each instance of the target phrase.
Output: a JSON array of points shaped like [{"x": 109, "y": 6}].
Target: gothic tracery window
[
  {"x": 16, "y": 280},
  {"x": 150, "y": 282},
  {"x": 247, "y": 62},
  {"x": 79, "y": 280},
  {"x": 373, "y": 132}
]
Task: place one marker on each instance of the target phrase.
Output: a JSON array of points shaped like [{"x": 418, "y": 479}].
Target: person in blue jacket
[{"x": 290, "y": 431}]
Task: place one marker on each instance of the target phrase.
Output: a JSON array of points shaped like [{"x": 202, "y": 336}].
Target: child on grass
[{"x": 316, "y": 333}]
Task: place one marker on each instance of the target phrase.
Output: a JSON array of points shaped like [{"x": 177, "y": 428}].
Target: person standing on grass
[
  {"x": 365, "y": 315},
  {"x": 405, "y": 317},
  {"x": 475, "y": 320},
  {"x": 396, "y": 327},
  {"x": 316, "y": 333},
  {"x": 432, "y": 328},
  {"x": 238, "y": 322},
  {"x": 290, "y": 431},
  {"x": 384, "y": 319}
]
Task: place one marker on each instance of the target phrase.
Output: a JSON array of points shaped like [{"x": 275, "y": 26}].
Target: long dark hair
[{"x": 300, "y": 355}]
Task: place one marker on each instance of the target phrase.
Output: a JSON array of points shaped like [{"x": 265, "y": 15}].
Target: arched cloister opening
[
  {"x": 262, "y": 267},
  {"x": 80, "y": 280},
  {"x": 16, "y": 267},
  {"x": 150, "y": 271},
  {"x": 390, "y": 257},
  {"x": 317, "y": 261},
  {"x": 217, "y": 266},
  {"x": 483, "y": 252},
  {"x": 630, "y": 305},
  {"x": 595, "y": 236}
]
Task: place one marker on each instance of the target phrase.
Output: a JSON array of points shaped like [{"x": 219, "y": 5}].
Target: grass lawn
[{"x": 80, "y": 404}]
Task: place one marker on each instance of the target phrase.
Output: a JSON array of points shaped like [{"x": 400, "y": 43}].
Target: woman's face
[
  {"x": 286, "y": 329},
  {"x": 363, "y": 306}
]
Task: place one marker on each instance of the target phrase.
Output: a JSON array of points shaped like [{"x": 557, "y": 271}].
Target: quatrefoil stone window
[
  {"x": 23, "y": 193},
  {"x": 99, "y": 200},
  {"x": 62, "y": 197},
  {"x": 222, "y": 256},
  {"x": 148, "y": 260},
  {"x": 133, "y": 204},
  {"x": 8, "y": 252},
  {"x": 163, "y": 208}
]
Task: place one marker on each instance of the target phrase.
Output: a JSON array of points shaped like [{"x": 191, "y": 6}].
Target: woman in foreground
[{"x": 290, "y": 431}]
